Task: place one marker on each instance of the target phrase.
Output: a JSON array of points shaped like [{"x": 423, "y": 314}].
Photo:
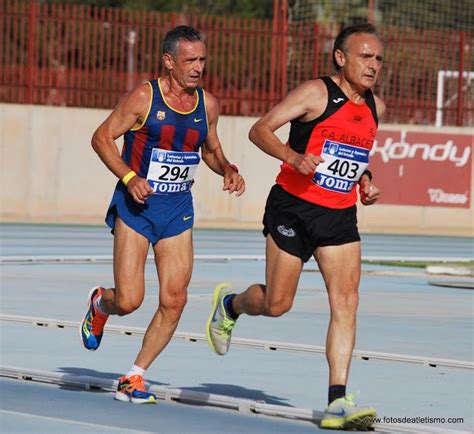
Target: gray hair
[{"x": 172, "y": 38}]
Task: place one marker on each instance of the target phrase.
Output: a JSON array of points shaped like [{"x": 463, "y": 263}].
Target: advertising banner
[{"x": 423, "y": 169}]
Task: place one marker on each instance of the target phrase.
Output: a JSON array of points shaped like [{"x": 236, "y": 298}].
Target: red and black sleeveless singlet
[{"x": 343, "y": 135}]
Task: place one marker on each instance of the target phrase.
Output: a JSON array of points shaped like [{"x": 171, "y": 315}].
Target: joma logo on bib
[
  {"x": 331, "y": 183},
  {"x": 165, "y": 187}
]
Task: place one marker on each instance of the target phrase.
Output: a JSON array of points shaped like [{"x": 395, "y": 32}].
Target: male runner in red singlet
[
  {"x": 311, "y": 210},
  {"x": 165, "y": 123}
]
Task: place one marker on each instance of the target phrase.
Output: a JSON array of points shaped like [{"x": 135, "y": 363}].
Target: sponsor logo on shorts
[
  {"x": 187, "y": 217},
  {"x": 286, "y": 232},
  {"x": 337, "y": 100}
]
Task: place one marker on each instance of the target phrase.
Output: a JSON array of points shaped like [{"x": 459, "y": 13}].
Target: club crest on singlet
[
  {"x": 342, "y": 168},
  {"x": 172, "y": 172}
]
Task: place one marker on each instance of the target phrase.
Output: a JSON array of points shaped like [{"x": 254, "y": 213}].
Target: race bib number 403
[
  {"x": 342, "y": 168},
  {"x": 171, "y": 171}
]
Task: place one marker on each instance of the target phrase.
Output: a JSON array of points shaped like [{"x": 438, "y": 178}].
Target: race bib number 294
[
  {"x": 342, "y": 168},
  {"x": 171, "y": 171}
]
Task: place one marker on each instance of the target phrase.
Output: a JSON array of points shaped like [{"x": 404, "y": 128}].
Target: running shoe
[
  {"x": 92, "y": 327},
  {"x": 343, "y": 413},
  {"x": 219, "y": 325},
  {"x": 133, "y": 389}
]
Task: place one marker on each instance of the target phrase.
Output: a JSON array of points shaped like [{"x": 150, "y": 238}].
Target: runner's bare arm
[
  {"x": 213, "y": 155},
  {"x": 130, "y": 112},
  {"x": 380, "y": 106},
  {"x": 369, "y": 192},
  {"x": 305, "y": 102}
]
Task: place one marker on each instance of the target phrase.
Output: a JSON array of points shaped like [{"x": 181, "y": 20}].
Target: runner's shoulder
[{"x": 313, "y": 88}]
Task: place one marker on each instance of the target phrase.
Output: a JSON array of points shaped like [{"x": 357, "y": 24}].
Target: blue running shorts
[{"x": 162, "y": 215}]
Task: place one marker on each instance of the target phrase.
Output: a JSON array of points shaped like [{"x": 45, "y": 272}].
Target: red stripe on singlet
[
  {"x": 166, "y": 137},
  {"x": 190, "y": 140},
  {"x": 138, "y": 145}
]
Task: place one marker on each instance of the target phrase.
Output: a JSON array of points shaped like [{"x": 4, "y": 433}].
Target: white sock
[
  {"x": 135, "y": 370},
  {"x": 98, "y": 305}
]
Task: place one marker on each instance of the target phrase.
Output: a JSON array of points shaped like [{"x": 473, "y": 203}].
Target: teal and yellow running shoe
[
  {"x": 219, "y": 325},
  {"x": 133, "y": 389},
  {"x": 343, "y": 413},
  {"x": 92, "y": 327}
]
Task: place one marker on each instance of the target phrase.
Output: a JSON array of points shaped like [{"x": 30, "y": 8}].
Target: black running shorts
[{"x": 299, "y": 227}]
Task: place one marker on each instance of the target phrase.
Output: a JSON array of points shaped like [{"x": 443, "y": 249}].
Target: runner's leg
[
  {"x": 174, "y": 263},
  {"x": 340, "y": 267},
  {"x": 130, "y": 253},
  {"x": 283, "y": 271}
]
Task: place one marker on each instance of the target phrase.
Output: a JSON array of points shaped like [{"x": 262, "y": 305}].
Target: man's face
[
  {"x": 362, "y": 59},
  {"x": 187, "y": 65}
]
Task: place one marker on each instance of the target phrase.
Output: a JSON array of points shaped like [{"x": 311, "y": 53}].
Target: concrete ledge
[
  {"x": 450, "y": 270},
  {"x": 237, "y": 225}
]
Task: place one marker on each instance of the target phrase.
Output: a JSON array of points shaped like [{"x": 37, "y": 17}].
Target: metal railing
[{"x": 87, "y": 56}]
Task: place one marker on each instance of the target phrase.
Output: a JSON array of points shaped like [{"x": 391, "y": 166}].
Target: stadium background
[{"x": 63, "y": 66}]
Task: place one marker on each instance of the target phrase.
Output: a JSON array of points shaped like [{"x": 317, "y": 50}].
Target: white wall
[{"x": 49, "y": 173}]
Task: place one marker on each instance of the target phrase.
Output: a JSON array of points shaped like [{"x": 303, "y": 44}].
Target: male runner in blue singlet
[{"x": 165, "y": 122}]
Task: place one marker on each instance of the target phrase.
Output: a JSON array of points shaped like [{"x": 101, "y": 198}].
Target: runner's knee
[
  {"x": 277, "y": 308},
  {"x": 174, "y": 302},
  {"x": 345, "y": 301},
  {"x": 127, "y": 304}
]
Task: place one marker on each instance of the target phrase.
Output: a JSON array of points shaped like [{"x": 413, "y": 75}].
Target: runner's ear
[
  {"x": 340, "y": 57},
  {"x": 168, "y": 61}
]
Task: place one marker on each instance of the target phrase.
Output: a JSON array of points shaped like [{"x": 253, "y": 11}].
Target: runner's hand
[
  {"x": 369, "y": 193},
  {"x": 305, "y": 163},
  {"x": 139, "y": 189},
  {"x": 233, "y": 182}
]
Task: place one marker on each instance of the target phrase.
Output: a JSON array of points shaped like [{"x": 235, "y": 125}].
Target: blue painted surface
[
  {"x": 397, "y": 314},
  {"x": 22, "y": 239},
  {"x": 71, "y": 407}
]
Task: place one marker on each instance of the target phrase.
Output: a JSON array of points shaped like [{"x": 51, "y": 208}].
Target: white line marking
[
  {"x": 81, "y": 259},
  {"x": 251, "y": 343}
]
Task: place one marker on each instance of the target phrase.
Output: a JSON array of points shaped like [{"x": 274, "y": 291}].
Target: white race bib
[
  {"x": 342, "y": 168},
  {"x": 171, "y": 171}
]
